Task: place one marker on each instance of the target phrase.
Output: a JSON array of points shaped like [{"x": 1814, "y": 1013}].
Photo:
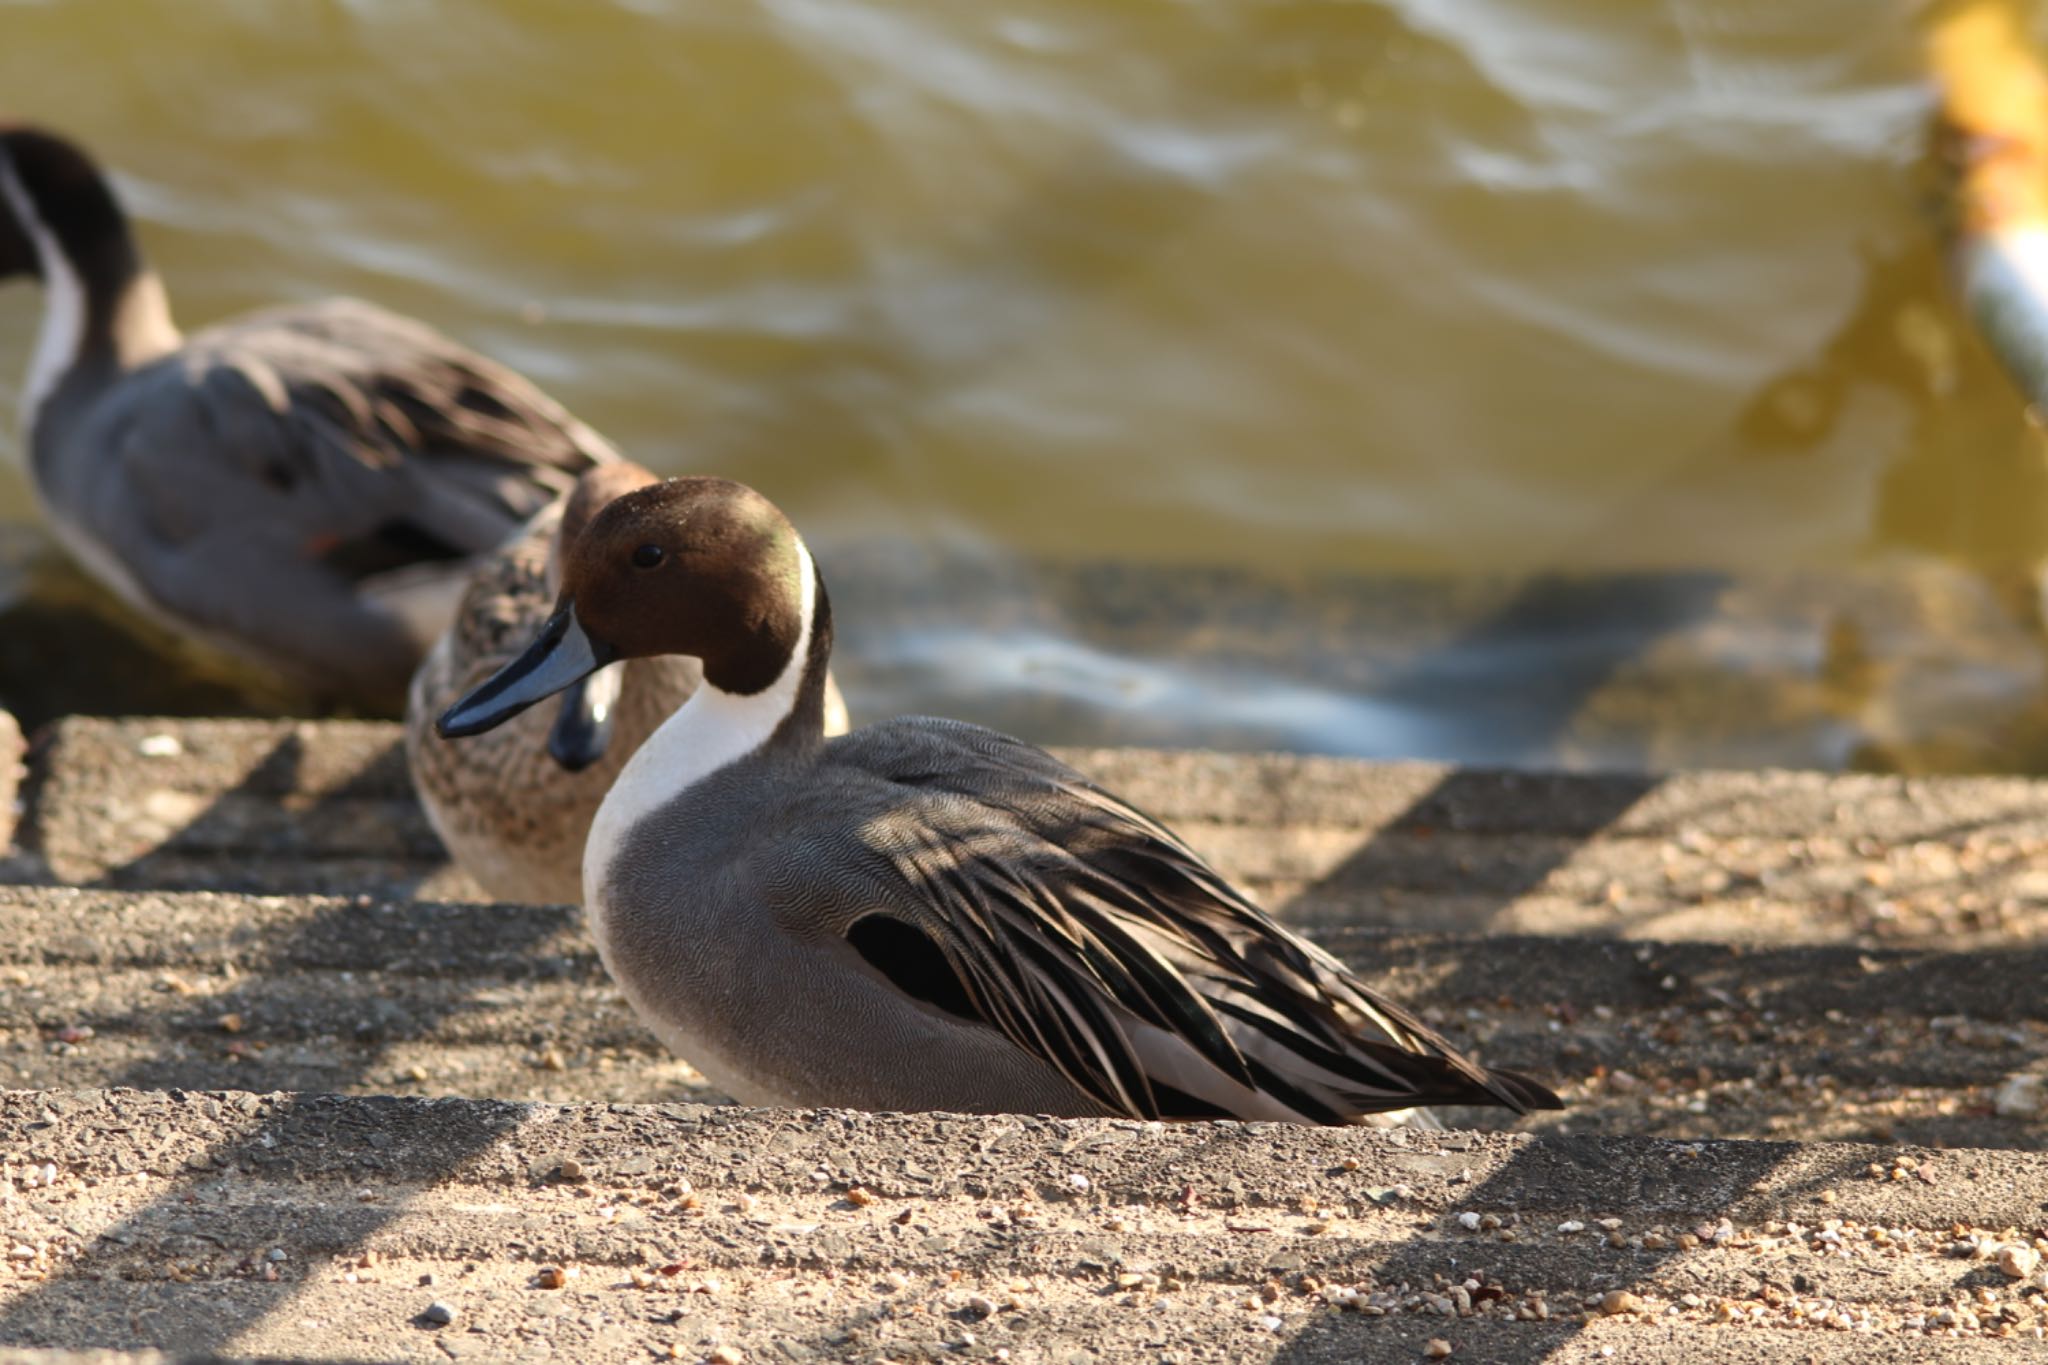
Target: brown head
[
  {"x": 694, "y": 566},
  {"x": 600, "y": 485},
  {"x": 698, "y": 566}
]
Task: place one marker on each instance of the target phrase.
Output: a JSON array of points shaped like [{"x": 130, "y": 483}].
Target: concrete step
[
  {"x": 1693, "y": 959},
  {"x": 308, "y": 1226},
  {"x": 282, "y": 806},
  {"x": 364, "y": 994}
]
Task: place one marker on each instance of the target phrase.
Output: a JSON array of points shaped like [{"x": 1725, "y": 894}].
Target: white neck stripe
[
  {"x": 710, "y": 730},
  {"x": 64, "y": 304}
]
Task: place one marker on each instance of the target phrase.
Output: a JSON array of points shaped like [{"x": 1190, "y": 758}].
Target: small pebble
[
  {"x": 571, "y": 1170},
  {"x": 1437, "y": 1348},
  {"x": 859, "y": 1197},
  {"x": 1469, "y": 1221},
  {"x": 438, "y": 1315},
  {"x": 550, "y": 1277},
  {"x": 726, "y": 1355},
  {"x": 160, "y": 746},
  {"x": 980, "y": 1305},
  {"x": 2017, "y": 1262},
  {"x": 1619, "y": 1301}
]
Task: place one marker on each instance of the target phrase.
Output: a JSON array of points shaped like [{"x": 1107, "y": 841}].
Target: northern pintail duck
[
  {"x": 921, "y": 914},
  {"x": 515, "y": 806},
  {"x": 303, "y": 488}
]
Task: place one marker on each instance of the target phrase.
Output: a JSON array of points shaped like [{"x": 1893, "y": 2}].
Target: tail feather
[{"x": 1523, "y": 1093}]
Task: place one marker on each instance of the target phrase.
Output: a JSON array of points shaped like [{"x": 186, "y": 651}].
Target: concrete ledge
[
  {"x": 262, "y": 1223},
  {"x": 364, "y": 994},
  {"x": 281, "y": 806},
  {"x": 11, "y": 751},
  {"x": 1771, "y": 956}
]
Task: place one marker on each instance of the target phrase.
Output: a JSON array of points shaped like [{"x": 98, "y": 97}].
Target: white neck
[
  {"x": 63, "y": 307},
  {"x": 710, "y": 730}
]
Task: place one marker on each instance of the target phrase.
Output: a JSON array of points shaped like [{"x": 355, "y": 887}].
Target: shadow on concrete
[
  {"x": 364, "y": 835},
  {"x": 1534, "y": 711},
  {"x": 26, "y": 1321},
  {"x": 1737, "y": 1183}
]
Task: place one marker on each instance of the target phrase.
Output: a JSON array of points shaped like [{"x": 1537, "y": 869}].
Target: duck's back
[
  {"x": 996, "y": 888},
  {"x": 304, "y": 486}
]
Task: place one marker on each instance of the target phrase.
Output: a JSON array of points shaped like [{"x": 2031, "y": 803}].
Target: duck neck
[
  {"x": 715, "y": 728},
  {"x": 104, "y": 309},
  {"x": 720, "y": 725}
]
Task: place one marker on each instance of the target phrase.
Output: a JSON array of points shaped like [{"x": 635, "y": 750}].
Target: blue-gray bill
[
  {"x": 560, "y": 655},
  {"x": 583, "y": 727}
]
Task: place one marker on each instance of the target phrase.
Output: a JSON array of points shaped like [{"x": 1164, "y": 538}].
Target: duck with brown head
[
  {"x": 514, "y": 807},
  {"x": 305, "y": 489},
  {"x": 920, "y": 914}
]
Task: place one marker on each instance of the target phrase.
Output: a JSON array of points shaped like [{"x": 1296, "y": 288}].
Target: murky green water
[{"x": 1443, "y": 287}]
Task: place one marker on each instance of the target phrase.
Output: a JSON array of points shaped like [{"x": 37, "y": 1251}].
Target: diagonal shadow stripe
[
  {"x": 1527, "y": 668},
  {"x": 1636, "y": 613},
  {"x": 1524, "y": 1195},
  {"x": 36, "y": 1318}
]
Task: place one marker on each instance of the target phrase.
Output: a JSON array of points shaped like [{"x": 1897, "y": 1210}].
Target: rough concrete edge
[
  {"x": 1502, "y": 1169},
  {"x": 17, "y": 789},
  {"x": 23, "y": 763},
  {"x": 13, "y": 772}
]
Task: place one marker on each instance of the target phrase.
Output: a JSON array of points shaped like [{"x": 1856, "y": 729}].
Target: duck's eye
[{"x": 647, "y": 556}]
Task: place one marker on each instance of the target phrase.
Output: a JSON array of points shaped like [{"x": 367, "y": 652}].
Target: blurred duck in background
[
  {"x": 306, "y": 489},
  {"x": 514, "y": 807}
]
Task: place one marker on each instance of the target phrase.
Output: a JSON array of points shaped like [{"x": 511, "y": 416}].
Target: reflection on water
[{"x": 1386, "y": 293}]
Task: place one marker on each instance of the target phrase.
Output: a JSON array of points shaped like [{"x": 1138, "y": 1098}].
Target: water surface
[{"x": 1465, "y": 294}]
